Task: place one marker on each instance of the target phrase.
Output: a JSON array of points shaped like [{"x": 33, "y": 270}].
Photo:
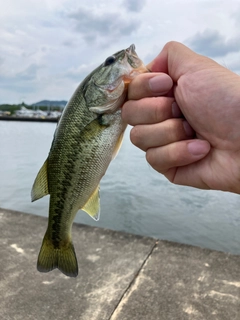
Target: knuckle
[
  {"x": 174, "y": 129},
  {"x": 135, "y": 135},
  {"x": 125, "y": 111},
  {"x": 158, "y": 113},
  {"x": 151, "y": 157},
  {"x": 159, "y": 158},
  {"x": 155, "y": 161}
]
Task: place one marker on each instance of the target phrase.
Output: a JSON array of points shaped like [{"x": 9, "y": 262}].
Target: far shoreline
[{"x": 32, "y": 119}]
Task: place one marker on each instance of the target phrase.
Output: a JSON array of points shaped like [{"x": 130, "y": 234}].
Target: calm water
[{"x": 134, "y": 198}]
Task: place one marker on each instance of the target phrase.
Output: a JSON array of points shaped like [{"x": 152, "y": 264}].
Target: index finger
[{"x": 144, "y": 85}]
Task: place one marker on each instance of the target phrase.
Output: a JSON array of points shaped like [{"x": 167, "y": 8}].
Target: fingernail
[
  {"x": 176, "y": 112},
  {"x": 198, "y": 148},
  {"x": 188, "y": 129},
  {"x": 160, "y": 84}
]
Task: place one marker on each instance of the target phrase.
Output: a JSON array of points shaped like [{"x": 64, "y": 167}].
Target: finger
[
  {"x": 145, "y": 85},
  {"x": 177, "y": 154},
  {"x": 150, "y": 110},
  {"x": 176, "y": 59},
  {"x": 160, "y": 134},
  {"x": 176, "y": 111}
]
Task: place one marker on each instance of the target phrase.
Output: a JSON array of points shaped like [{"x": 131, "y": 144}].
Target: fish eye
[{"x": 110, "y": 60}]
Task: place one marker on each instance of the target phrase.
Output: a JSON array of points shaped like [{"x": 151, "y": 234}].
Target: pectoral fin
[
  {"x": 40, "y": 186},
  {"x": 92, "y": 207}
]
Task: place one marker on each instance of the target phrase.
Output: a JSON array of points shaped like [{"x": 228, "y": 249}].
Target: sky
[{"x": 47, "y": 47}]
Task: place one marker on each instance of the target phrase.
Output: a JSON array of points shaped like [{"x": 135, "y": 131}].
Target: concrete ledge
[{"x": 121, "y": 277}]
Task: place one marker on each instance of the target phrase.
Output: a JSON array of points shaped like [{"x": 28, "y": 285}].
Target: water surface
[{"x": 134, "y": 198}]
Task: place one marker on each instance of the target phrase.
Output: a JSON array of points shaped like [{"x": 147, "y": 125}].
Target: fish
[{"x": 87, "y": 138}]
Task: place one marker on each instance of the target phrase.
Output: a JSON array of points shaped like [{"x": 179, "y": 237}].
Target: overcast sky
[{"x": 48, "y": 46}]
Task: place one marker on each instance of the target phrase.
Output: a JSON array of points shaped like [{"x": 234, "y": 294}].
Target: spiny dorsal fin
[
  {"x": 40, "y": 186},
  {"x": 92, "y": 207}
]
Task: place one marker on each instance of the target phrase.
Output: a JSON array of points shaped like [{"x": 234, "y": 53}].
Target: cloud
[
  {"x": 134, "y": 5},
  {"x": 79, "y": 73},
  {"x": 47, "y": 24},
  {"x": 236, "y": 16},
  {"x": 212, "y": 43},
  {"x": 68, "y": 43},
  {"x": 30, "y": 73},
  {"x": 102, "y": 27},
  {"x": 1, "y": 61},
  {"x": 67, "y": 38},
  {"x": 234, "y": 65},
  {"x": 22, "y": 81}
]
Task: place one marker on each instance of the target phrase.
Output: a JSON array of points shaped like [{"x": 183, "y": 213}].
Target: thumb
[{"x": 176, "y": 59}]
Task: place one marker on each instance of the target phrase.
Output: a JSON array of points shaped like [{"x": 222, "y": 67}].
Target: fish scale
[{"x": 87, "y": 138}]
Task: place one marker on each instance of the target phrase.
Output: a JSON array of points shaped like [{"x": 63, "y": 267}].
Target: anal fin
[{"x": 92, "y": 207}]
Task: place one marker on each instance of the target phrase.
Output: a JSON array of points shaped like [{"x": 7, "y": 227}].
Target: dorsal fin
[{"x": 40, "y": 185}]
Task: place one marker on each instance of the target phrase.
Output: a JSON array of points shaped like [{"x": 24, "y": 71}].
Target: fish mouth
[
  {"x": 131, "y": 49},
  {"x": 134, "y": 72},
  {"x": 141, "y": 69},
  {"x": 137, "y": 66}
]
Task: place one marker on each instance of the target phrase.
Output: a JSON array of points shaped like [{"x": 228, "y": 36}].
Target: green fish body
[{"x": 87, "y": 138}]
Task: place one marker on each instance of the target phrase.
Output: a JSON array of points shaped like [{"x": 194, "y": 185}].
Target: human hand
[{"x": 190, "y": 131}]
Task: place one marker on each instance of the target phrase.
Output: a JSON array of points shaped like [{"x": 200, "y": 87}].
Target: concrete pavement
[{"x": 121, "y": 277}]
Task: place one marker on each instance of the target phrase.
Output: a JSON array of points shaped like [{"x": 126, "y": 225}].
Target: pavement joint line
[{"x": 134, "y": 278}]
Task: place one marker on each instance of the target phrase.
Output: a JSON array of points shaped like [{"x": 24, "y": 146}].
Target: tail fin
[{"x": 63, "y": 258}]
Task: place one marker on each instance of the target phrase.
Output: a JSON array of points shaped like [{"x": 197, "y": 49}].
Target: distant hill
[{"x": 50, "y": 103}]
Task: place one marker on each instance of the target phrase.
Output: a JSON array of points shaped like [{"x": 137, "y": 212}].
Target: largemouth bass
[{"x": 88, "y": 136}]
